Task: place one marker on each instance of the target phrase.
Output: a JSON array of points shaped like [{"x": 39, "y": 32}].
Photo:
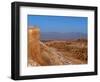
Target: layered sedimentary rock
[{"x": 34, "y": 46}]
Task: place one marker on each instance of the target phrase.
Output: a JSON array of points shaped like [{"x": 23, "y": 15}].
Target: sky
[{"x": 59, "y": 23}]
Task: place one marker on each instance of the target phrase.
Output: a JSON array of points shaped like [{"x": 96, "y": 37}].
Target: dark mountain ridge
[{"x": 62, "y": 36}]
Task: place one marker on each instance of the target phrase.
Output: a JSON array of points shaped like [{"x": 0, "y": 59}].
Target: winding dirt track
[{"x": 55, "y": 57}]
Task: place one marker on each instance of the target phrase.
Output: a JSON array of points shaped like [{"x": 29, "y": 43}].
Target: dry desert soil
[{"x": 55, "y": 52}]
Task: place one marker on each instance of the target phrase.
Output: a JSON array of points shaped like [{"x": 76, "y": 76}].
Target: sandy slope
[{"x": 53, "y": 57}]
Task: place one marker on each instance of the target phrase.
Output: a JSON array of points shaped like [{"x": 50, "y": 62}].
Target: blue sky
[{"x": 59, "y": 23}]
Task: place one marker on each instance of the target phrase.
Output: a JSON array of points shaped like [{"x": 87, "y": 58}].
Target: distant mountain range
[{"x": 62, "y": 36}]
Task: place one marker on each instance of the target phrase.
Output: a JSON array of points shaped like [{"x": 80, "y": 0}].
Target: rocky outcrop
[{"x": 34, "y": 46}]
